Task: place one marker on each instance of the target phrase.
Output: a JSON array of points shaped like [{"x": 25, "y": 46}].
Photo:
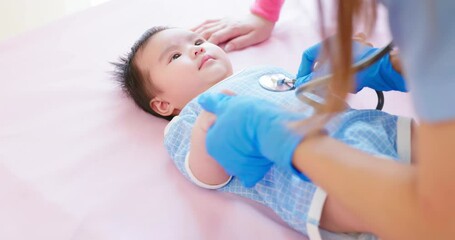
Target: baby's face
[{"x": 181, "y": 64}]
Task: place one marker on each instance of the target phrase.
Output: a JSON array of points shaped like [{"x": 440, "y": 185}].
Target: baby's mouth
[{"x": 204, "y": 60}]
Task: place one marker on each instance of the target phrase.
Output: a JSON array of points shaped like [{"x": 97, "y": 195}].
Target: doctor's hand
[
  {"x": 380, "y": 76},
  {"x": 249, "y": 135},
  {"x": 236, "y": 34}
]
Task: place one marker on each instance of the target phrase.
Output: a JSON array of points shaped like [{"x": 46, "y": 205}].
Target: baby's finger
[
  {"x": 207, "y": 120},
  {"x": 228, "y": 92}
]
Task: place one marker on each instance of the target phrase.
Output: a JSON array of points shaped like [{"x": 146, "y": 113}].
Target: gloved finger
[
  {"x": 253, "y": 176},
  {"x": 213, "y": 102},
  {"x": 308, "y": 58},
  {"x": 361, "y": 51},
  {"x": 303, "y": 79},
  {"x": 251, "y": 170},
  {"x": 248, "y": 182}
]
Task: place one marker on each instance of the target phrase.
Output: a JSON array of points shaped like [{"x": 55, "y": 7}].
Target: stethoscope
[{"x": 309, "y": 92}]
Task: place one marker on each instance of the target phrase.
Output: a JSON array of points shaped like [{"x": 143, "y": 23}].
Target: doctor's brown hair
[{"x": 349, "y": 15}]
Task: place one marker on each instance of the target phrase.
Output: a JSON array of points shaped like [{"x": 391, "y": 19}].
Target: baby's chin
[
  {"x": 228, "y": 73},
  {"x": 221, "y": 70},
  {"x": 216, "y": 81}
]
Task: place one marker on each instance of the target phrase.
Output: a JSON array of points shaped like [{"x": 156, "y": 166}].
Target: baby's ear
[{"x": 162, "y": 107}]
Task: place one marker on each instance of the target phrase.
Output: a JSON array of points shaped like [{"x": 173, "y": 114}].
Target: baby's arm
[{"x": 200, "y": 164}]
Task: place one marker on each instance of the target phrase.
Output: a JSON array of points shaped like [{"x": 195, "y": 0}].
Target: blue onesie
[{"x": 297, "y": 202}]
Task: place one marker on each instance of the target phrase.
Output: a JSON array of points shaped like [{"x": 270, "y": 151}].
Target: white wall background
[{"x": 17, "y": 16}]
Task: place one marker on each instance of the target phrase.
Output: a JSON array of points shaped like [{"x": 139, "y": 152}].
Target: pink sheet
[{"x": 79, "y": 161}]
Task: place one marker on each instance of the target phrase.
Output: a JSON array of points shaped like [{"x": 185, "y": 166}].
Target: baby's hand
[{"x": 205, "y": 120}]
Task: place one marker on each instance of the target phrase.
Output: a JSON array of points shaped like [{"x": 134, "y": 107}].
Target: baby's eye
[
  {"x": 175, "y": 56},
  {"x": 199, "y": 42}
]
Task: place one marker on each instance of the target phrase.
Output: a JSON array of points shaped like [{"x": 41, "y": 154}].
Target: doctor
[{"x": 394, "y": 201}]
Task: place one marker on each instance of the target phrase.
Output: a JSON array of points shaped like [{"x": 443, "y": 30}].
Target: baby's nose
[{"x": 198, "y": 50}]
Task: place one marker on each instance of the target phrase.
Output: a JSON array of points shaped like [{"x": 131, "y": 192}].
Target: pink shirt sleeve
[{"x": 268, "y": 9}]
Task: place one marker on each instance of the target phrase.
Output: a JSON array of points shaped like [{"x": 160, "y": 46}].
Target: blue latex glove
[
  {"x": 380, "y": 76},
  {"x": 250, "y": 135}
]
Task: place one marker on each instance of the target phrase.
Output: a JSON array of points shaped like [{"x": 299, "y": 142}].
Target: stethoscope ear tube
[{"x": 380, "y": 104}]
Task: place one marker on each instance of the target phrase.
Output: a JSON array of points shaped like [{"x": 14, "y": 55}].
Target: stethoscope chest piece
[{"x": 276, "y": 83}]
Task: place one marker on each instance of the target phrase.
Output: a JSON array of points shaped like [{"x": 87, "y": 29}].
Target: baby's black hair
[{"x": 132, "y": 81}]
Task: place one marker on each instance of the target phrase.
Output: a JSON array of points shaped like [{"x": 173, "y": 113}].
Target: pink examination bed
[{"x": 79, "y": 161}]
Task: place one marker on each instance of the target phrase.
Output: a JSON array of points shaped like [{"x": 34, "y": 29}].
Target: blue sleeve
[{"x": 424, "y": 32}]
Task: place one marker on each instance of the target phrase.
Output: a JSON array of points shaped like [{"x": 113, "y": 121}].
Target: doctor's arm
[{"x": 394, "y": 201}]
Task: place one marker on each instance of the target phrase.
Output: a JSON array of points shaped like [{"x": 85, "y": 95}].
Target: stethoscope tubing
[{"x": 359, "y": 66}]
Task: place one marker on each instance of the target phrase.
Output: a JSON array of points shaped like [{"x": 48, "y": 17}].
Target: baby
[{"x": 168, "y": 68}]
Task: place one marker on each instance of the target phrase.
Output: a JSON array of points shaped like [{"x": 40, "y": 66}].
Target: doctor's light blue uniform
[{"x": 424, "y": 32}]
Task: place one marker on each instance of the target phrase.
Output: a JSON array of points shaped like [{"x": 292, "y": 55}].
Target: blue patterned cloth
[{"x": 290, "y": 198}]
